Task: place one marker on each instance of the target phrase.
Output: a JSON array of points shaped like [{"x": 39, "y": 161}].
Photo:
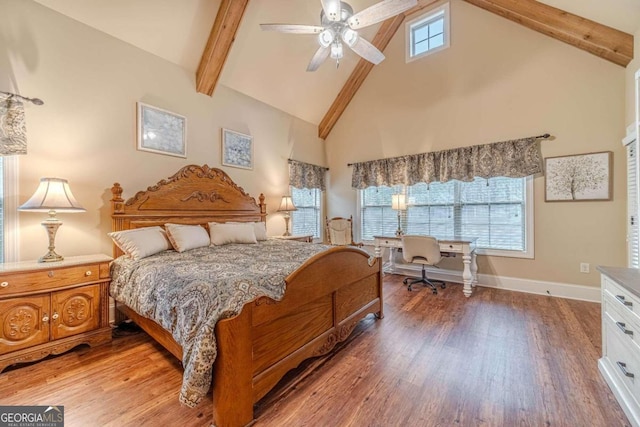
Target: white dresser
[{"x": 620, "y": 362}]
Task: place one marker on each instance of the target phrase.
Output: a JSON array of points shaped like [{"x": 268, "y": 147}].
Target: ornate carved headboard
[{"x": 193, "y": 195}]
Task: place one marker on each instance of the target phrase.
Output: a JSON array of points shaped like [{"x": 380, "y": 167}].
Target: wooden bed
[{"x": 324, "y": 300}]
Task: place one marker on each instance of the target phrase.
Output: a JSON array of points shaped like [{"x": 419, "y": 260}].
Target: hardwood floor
[{"x": 498, "y": 358}]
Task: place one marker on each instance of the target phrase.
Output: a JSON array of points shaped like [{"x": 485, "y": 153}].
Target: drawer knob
[
  {"x": 87, "y": 273},
  {"x": 622, "y": 300},
  {"x": 50, "y": 274},
  {"x": 55, "y": 315},
  {"x": 45, "y": 319},
  {"x": 4, "y": 284},
  {"x": 623, "y": 368},
  {"x": 623, "y": 328}
]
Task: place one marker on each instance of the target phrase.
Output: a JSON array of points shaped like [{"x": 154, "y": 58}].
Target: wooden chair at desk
[{"x": 423, "y": 250}]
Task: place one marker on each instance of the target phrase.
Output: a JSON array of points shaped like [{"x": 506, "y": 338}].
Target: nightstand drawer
[{"x": 47, "y": 279}]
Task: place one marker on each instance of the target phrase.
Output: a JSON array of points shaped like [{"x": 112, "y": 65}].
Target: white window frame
[
  {"x": 529, "y": 246},
  {"x": 320, "y": 208},
  {"x": 431, "y": 15},
  {"x": 11, "y": 227}
]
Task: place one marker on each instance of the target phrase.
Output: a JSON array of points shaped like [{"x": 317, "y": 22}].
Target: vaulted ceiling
[{"x": 221, "y": 42}]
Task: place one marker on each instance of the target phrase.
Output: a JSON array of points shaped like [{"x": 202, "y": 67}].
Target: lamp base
[
  {"x": 51, "y": 256},
  {"x": 286, "y": 224},
  {"x": 51, "y": 225}
]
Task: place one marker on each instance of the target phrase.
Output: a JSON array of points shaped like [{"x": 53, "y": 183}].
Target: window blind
[
  {"x": 633, "y": 231},
  {"x": 492, "y": 210},
  {"x": 306, "y": 220}
]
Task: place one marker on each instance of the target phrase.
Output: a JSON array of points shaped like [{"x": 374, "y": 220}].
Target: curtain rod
[
  {"x": 543, "y": 136},
  {"x": 292, "y": 160},
  {"x": 35, "y": 101}
]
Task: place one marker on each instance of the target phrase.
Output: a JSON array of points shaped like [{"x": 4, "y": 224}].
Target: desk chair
[
  {"x": 340, "y": 231},
  {"x": 421, "y": 250}
]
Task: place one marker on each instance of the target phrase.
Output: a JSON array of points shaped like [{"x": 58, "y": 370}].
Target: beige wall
[
  {"x": 498, "y": 81},
  {"x": 632, "y": 68},
  {"x": 85, "y": 132}
]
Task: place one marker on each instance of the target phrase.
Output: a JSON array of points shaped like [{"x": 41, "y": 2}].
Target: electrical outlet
[{"x": 584, "y": 267}]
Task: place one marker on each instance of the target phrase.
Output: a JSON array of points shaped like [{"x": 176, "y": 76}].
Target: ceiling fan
[{"x": 339, "y": 25}]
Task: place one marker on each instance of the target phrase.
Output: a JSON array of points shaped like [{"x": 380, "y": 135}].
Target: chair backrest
[
  {"x": 340, "y": 231},
  {"x": 421, "y": 246}
]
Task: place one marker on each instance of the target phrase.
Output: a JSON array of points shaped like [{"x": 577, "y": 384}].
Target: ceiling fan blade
[
  {"x": 368, "y": 51},
  {"x": 292, "y": 28},
  {"x": 332, "y": 9},
  {"x": 379, "y": 12},
  {"x": 318, "y": 58}
]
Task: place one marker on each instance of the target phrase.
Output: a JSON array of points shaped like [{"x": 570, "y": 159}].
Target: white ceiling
[{"x": 268, "y": 66}]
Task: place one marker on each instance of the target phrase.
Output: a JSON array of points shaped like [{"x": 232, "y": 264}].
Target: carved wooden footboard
[{"x": 324, "y": 300}]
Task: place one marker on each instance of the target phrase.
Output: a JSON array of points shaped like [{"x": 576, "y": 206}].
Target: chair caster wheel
[
  {"x": 443, "y": 286},
  {"x": 435, "y": 292},
  {"x": 405, "y": 281}
]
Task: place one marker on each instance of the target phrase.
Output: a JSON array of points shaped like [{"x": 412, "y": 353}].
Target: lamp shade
[
  {"x": 53, "y": 194},
  {"x": 286, "y": 205},
  {"x": 398, "y": 202}
]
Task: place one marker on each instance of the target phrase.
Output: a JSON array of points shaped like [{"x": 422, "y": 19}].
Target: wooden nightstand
[
  {"x": 49, "y": 308},
  {"x": 301, "y": 238}
]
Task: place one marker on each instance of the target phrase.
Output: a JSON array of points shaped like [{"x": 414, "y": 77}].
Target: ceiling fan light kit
[{"x": 337, "y": 19}]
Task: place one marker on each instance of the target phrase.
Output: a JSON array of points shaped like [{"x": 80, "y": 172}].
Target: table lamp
[
  {"x": 286, "y": 206},
  {"x": 53, "y": 195},
  {"x": 399, "y": 203}
]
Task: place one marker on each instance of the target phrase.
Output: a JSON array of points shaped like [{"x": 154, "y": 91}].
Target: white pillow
[
  {"x": 222, "y": 234},
  {"x": 184, "y": 237},
  {"x": 260, "y": 228},
  {"x": 141, "y": 242}
]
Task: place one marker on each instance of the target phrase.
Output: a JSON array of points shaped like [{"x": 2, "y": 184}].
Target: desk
[
  {"x": 308, "y": 238},
  {"x": 464, "y": 246}
]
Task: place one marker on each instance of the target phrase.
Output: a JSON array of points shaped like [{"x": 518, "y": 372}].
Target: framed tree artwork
[{"x": 578, "y": 178}]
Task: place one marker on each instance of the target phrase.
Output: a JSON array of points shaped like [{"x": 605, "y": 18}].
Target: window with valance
[
  {"x": 307, "y": 182},
  {"x": 483, "y": 191}
]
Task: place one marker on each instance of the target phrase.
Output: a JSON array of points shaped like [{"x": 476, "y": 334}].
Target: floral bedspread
[{"x": 187, "y": 293}]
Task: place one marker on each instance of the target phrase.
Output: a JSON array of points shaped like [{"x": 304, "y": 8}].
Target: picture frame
[
  {"x": 161, "y": 131},
  {"x": 237, "y": 149},
  {"x": 579, "y": 177}
]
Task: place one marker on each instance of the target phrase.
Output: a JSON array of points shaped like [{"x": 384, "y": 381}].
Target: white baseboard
[{"x": 539, "y": 287}]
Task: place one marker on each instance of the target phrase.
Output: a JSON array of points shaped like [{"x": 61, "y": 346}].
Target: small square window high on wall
[{"x": 427, "y": 33}]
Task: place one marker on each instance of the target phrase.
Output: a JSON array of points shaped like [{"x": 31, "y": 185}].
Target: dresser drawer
[
  {"x": 622, "y": 357},
  {"x": 624, "y": 300},
  {"x": 47, "y": 279},
  {"x": 626, "y": 322}
]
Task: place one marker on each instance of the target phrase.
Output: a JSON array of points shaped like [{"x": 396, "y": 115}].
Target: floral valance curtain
[
  {"x": 513, "y": 159},
  {"x": 13, "y": 132},
  {"x": 306, "y": 175}
]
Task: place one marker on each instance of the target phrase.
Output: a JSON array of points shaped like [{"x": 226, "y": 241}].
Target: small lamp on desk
[
  {"x": 399, "y": 203},
  {"x": 53, "y": 195},
  {"x": 286, "y": 206}
]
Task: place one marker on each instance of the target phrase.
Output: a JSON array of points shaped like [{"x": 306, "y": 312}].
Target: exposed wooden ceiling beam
[
  {"x": 219, "y": 44},
  {"x": 361, "y": 71},
  {"x": 600, "y": 40},
  {"x": 603, "y": 41}
]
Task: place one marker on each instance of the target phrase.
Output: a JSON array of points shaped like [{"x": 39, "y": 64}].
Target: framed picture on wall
[
  {"x": 578, "y": 178},
  {"x": 237, "y": 149},
  {"x": 161, "y": 131}
]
